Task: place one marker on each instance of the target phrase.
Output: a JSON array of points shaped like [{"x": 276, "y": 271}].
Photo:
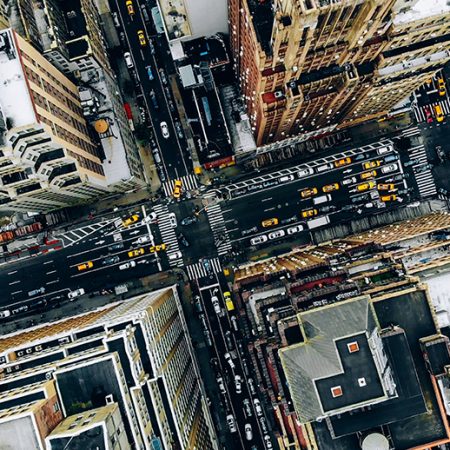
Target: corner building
[
  {"x": 311, "y": 65},
  {"x": 128, "y": 369}
]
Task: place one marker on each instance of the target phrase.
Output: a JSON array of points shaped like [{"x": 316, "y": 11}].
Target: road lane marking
[
  {"x": 266, "y": 199},
  {"x": 13, "y": 272},
  {"x": 269, "y": 209},
  {"x": 52, "y": 271},
  {"x": 48, "y": 262},
  {"x": 14, "y": 282},
  {"x": 52, "y": 282},
  {"x": 17, "y": 292}
]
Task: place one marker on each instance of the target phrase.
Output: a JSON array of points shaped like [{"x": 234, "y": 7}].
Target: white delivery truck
[
  {"x": 322, "y": 199},
  {"x": 319, "y": 222}
]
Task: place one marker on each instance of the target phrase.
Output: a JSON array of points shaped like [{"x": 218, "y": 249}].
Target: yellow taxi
[
  {"x": 269, "y": 222},
  {"x": 365, "y": 186},
  {"x": 130, "y": 7},
  {"x": 441, "y": 86},
  {"x": 330, "y": 187},
  {"x": 228, "y": 302},
  {"x": 309, "y": 213},
  {"x": 386, "y": 186},
  {"x": 132, "y": 219},
  {"x": 371, "y": 164},
  {"x": 439, "y": 113},
  {"x": 343, "y": 161},
  {"x": 388, "y": 198},
  {"x": 308, "y": 192},
  {"x": 157, "y": 248},
  {"x": 142, "y": 40},
  {"x": 369, "y": 174},
  {"x": 177, "y": 188},
  {"x": 85, "y": 266},
  {"x": 136, "y": 252}
]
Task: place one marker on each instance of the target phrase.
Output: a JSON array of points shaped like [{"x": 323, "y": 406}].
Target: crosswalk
[
  {"x": 190, "y": 182},
  {"x": 198, "y": 270},
  {"x": 71, "y": 237},
  {"x": 424, "y": 180},
  {"x": 420, "y": 115},
  {"x": 216, "y": 221},
  {"x": 168, "y": 234}
]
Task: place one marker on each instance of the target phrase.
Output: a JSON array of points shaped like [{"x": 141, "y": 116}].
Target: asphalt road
[
  {"x": 175, "y": 162},
  {"x": 243, "y": 215},
  {"x": 57, "y": 272}
]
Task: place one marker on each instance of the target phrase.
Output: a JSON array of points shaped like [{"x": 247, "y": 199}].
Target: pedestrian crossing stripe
[
  {"x": 168, "y": 234},
  {"x": 71, "y": 237},
  {"x": 220, "y": 234},
  {"x": 189, "y": 183},
  {"x": 198, "y": 270},
  {"x": 424, "y": 180}
]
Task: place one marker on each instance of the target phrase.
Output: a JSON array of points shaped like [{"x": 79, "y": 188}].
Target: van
[
  {"x": 383, "y": 150},
  {"x": 156, "y": 156},
  {"x": 286, "y": 178},
  {"x": 322, "y": 199},
  {"x": 128, "y": 60},
  {"x": 324, "y": 167}
]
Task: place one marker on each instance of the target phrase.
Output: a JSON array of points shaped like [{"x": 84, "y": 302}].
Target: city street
[{"x": 155, "y": 88}]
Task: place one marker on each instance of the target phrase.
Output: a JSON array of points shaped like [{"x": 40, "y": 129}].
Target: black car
[
  {"x": 116, "y": 246},
  {"x": 111, "y": 260},
  {"x": 183, "y": 240},
  {"x": 189, "y": 220}
]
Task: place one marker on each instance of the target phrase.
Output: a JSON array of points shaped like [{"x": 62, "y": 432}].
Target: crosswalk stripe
[
  {"x": 217, "y": 224},
  {"x": 197, "y": 270},
  {"x": 168, "y": 233},
  {"x": 189, "y": 181}
]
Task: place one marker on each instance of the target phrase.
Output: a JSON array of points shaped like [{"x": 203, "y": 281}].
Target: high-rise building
[
  {"x": 49, "y": 158},
  {"x": 308, "y": 65},
  {"x": 133, "y": 356}
]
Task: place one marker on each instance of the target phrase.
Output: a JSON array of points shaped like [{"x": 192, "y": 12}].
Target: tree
[{"x": 142, "y": 133}]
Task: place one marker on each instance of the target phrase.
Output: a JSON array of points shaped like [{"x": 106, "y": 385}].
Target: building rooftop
[
  {"x": 423, "y": 9},
  {"x": 263, "y": 17},
  {"x": 325, "y": 372},
  {"x": 13, "y": 86},
  {"x": 175, "y": 18}
]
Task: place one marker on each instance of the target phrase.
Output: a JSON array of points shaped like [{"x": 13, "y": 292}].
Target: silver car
[{"x": 164, "y": 130}]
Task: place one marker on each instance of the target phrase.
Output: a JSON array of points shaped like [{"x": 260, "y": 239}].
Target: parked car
[
  {"x": 268, "y": 442},
  {"x": 248, "y": 412},
  {"x": 258, "y": 408},
  {"x": 229, "y": 340},
  {"x": 221, "y": 385},
  {"x": 248, "y": 432},
  {"x": 72, "y": 295},
  {"x": 296, "y": 229},
  {"x": 276, "y": 234},
  {"x": 307, "y": 171},
  {"x": 5, "y": 313},
  {"x": 258, "y": 239},
  {"x": 234, "y": 323},
  {"x": 389, "y": 168},
  {"x": 116, "y": 246},
  {"x": 251, "y": 386},
  {"x": 238, "y": 384},
  {"x": 182, "y": 238}
]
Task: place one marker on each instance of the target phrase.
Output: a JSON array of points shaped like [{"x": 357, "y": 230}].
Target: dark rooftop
[
  {"x": 92, "y": 438},
  {"x": 437, "y": 354},
  {"x": 262, "y": 15},
  {"x": 409, "y": 402},
  {"x": 211, "y": 49},
  {"x": 358, "y": 365},
  {"x": 78, "y": 48},
  {"x": 76, "y": 23}
]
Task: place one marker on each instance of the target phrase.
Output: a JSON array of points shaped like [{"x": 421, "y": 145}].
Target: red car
[{"x": 428, "y": 114}]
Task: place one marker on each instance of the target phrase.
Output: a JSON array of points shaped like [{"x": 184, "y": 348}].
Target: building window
[
  {"x": 56, "y": 407},
  {"x": 353, "y": 347},
  {"x": 336, "y": 391},
  {"x": 362, "y": 382}
]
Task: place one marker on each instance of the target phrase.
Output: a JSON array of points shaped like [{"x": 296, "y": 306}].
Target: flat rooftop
[{"x": 423, "y": 9}]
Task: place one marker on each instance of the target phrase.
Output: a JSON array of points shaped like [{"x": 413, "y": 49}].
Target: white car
[
  {"x": 229, "y": 360},
  {"x": 143, "y": 239},
  {"x": 251, "y": 386},
  {"x": 389, "y": 168},
  {"x": 286, "y": 178},
  {"x": 76, "y": 293},
  {"x": 173, "y": 220},
  {"x": 5, "y": 313},
  {"x": 296, "y": 229},
  {"x": 175, "y": 255},
  {"x": 347, "y": 181},
  {"x": 258, "y": 408},
  {"x": 248, "y": 432},
  {"x": 216, "y": 305},
  {"x": 305, "y": 172},
  {"x": 164, "y": 130},
  {"x": 268, "y": 442},
  {"x": 259, "y": 239},
  {"x": 151, "y": 217},
  {"x": 127, "y": 265},
  {"x": 231, "y": 423},
  {"x": 324, "y": 167},
  {"x": 276, "y": 234},
  {"x": 221, "y": 384},
  {"x": 238, "y": 383}
]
